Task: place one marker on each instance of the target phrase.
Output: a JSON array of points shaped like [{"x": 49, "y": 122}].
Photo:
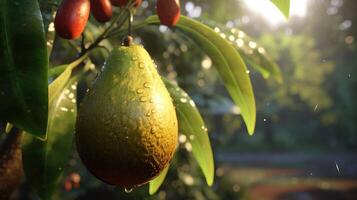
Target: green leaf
[
  {"x": 283, "y": 6},
  {"x": 227, "y": 61},
  {"x": 44, "y": 161},
  {"x": 253, "y": 53},
  {"x": 57, "y": 85},
  {"x": 56, "y": 70},
  {"x": 155, "y": 184},
  {"x": 23, "y": 66},
  {"x": 191, "y": 124}
]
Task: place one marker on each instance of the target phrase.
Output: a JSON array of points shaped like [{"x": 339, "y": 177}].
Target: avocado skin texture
[{"x": 126, "y": 130}]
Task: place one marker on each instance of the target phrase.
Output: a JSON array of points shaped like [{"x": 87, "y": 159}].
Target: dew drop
[
  {"x": 64, "y": 109},
  {"x": 184, "y": 94},
  {"x": 143, "y": 99},
  {"x": 141, "y": 65},
  {"x": 139, "y": 91},
  {"x": 153, "y": 130},
  {"x": 247, "y": 71},
  {"x": 71, "y": 95},
  {"x": 183, "y": 100},
  {"x": 74, "y": 87},
  {"x": 128, "y": 190},
  {"x": 192, "y": 103},
  {"x": 134, "y": 58},
  {"x": 147, "y": 85}
]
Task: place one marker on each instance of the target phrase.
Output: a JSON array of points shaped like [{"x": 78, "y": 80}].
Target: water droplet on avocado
[
  {"x": 153, "y": 130},
  {"x": 143, "y": 99},
  {"x": 141, "y": 65},
  {"x": 134, "y": 58},
  {"x": 139, "y": 91},
  {"x": 147, "y": 85}
]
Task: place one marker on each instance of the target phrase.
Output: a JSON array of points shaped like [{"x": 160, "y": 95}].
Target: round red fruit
[
  {"x": 122, "y": 3},
  {"x": 102, "y": 10},
  {"x": 71, "y": 18},
  {"x": 168, "y": 11}
]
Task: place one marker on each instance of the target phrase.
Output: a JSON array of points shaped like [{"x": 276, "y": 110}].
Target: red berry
[
  {"x": 102, "y": 10},
  {"x": 71, "y": 18},
  {"x": 168, "y": 11},
  {"x": 122, "y": 3}
]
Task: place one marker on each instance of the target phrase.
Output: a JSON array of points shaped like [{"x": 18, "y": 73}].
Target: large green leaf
[
  {"x": 253, "y": 53},
  {"x": 192, "y": 125},
  {"x": 23, "y": 66},
  {"x": 283, "y": 5},
  {"x": 227, "y": 61},
  {"x": 44, "y": 160},
  {"x": 155, "y": 184}
]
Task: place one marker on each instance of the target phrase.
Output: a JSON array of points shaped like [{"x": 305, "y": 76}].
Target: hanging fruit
[
  {"x": 126, "y": 131},
  {"x": 168, "y": 11},
  {"x": 102, "y": 10},
  {"x": 71, "y": 18}
]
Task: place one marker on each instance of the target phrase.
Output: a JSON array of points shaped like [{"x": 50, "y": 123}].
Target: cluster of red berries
[{"x": 72, "y": 15}]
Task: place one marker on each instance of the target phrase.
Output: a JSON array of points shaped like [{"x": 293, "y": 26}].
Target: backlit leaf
[
  {"x": 44, "y": 161},
  {"x": 192, "y": 125},
  {"x": 283, "y": 5}
]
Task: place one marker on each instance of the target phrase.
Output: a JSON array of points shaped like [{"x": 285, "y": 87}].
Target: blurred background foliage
[{"x": 306, "y": 126}]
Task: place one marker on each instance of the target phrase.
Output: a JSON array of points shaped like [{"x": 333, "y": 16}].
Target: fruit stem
[
  {"x": 130, "y": 22},
  {"x": 109, "y": 29}
]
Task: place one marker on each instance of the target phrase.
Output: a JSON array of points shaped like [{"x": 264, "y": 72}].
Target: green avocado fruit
[{"x": 126, "y": 130}]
